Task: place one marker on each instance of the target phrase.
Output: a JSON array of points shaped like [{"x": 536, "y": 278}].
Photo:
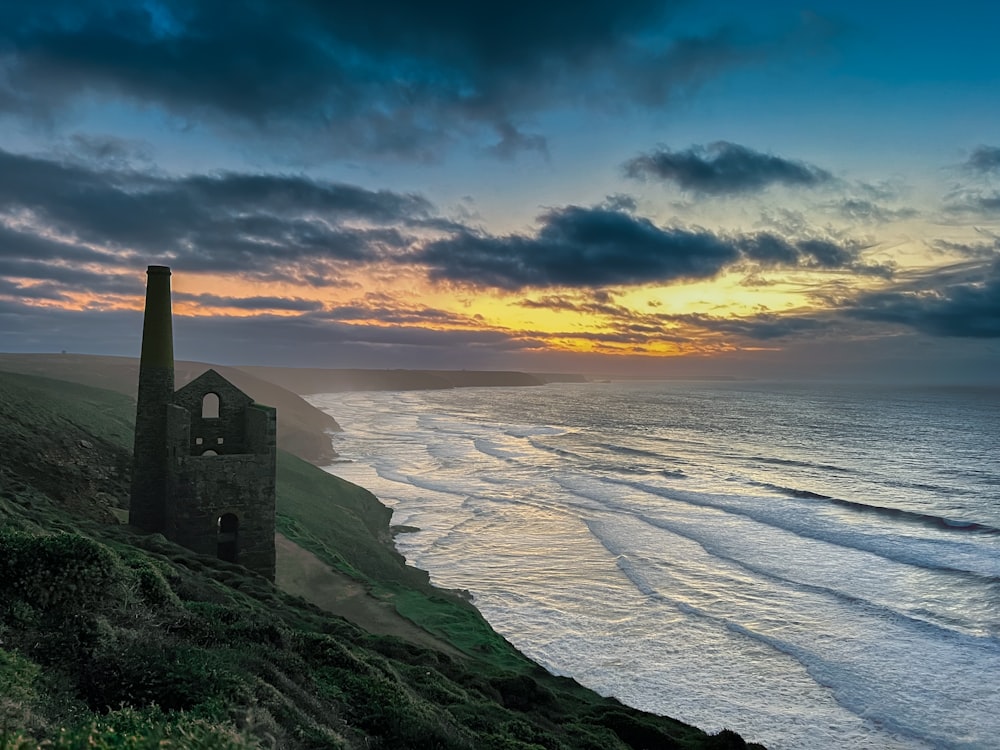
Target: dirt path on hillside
[{"x": 301, "y": 573}]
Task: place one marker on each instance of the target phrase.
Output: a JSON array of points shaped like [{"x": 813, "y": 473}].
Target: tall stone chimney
[{"x": 156, "y": 390}]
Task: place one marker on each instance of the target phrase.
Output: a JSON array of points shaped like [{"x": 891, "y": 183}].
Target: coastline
[
  {"x": 344, "y": 527},
  {"x": 587, "y": 519}
]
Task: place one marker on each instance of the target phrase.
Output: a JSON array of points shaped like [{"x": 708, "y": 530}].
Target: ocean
[{"x": 812, "y": 566}]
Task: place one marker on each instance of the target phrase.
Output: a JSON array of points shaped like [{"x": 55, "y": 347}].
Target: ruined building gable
[{"x": 217, "y": 413}]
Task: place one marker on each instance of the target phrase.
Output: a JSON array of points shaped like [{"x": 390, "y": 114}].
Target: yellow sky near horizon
[{"x": 650, "y": 319}]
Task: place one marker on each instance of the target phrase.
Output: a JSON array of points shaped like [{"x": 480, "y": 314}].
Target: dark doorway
[{"x": 228, "y": 542}]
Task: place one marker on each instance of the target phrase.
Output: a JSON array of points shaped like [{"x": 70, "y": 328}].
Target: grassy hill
[
  {"x": 301, "y": 428},
  {"x": 114, "y": 639}
]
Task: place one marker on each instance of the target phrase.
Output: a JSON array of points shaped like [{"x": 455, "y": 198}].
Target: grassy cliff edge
[{"x": 113, "y": 639}]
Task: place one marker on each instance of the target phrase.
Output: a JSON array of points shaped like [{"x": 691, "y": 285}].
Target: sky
[{"x": 611, "y": 187}]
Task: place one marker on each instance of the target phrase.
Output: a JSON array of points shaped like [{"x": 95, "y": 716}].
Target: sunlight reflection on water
[{"x": 728, "y": 566}]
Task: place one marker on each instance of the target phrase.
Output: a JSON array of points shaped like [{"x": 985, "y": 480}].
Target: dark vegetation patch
[{"x": 110, "y": 639}]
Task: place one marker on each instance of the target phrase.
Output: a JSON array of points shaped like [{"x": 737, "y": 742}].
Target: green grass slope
[
  {"x": 113, "y": 639},
  {"x": 301, "y": 430},
  {"x": 348, "y": 528}
]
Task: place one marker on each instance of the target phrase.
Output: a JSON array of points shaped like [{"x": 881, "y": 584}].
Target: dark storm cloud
[
  {"x": 770, "y": 250},
  {"x": 723, "y": 168},
  {"x": 966, "y": 310},
  {"x": 599, "y": 247},
  {"x": 63, "y": 222},
  {"x": 33, "y": 247},
  {"x": 105, "y": 198},
  {"x": 827, "y": 253},
  {"x": 579, "y": 247},
  {"x": 984, "y": 159},
  {"x": 70, "y": 278},
  {"x": 387, "y": 75},
  {"x": 272, "y": 226}
]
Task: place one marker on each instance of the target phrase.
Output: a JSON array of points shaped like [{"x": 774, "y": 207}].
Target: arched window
[
  {"x": 209, "y": 452},
  {"x": 228, "y": 538},
  {"x": 210, "y": 406}
]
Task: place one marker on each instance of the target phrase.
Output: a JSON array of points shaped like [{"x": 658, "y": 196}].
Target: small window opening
[
  {"x": 210, "y": 406},
  {"x": 228, "y": 537},
  {"x": 220, "y": 441},
  {"x": 199, "y": 441}
]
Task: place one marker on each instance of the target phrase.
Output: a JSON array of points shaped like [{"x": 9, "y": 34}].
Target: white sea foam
[{"x": 776, "y": 561}]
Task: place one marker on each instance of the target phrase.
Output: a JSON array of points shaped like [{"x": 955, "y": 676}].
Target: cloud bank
[
  {"x": 580, "y": 247},
  {"x": 387, "y": 76},
  {"x": 724, "y": 168},
  {"x": 266, "y": 226},
  {"x": 964, "y": 310},
  {"x": 72, "y": 226},
  {"x": 984, "y": 159}
]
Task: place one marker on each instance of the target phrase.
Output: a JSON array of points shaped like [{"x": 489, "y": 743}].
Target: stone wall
[
  {"x": 205, "y": 488},
  {"x": 224, "y": 434},
  {"x": 239, "y": 481}
]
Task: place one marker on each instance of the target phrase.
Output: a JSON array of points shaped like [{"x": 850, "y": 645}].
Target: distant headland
[
  {"x": 302, "y": 429},
  {"x": 308, "y": 380}
]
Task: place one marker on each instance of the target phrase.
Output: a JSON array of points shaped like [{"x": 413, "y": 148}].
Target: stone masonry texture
[{"x": 205, "y": 455}]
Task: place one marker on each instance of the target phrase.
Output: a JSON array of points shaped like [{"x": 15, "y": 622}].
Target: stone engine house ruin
[{"x": 203, "y": 470}]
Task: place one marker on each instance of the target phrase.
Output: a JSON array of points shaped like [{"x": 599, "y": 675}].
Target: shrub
[
  {"x": 522, "y": 692},
  {"x": 154, "y": 587},
  {"x": 326, "y": 651},
  {"x": 636, "y": 730},
  {"x": 140, "y": 670},
  {"x": 59, "y": 574}
]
